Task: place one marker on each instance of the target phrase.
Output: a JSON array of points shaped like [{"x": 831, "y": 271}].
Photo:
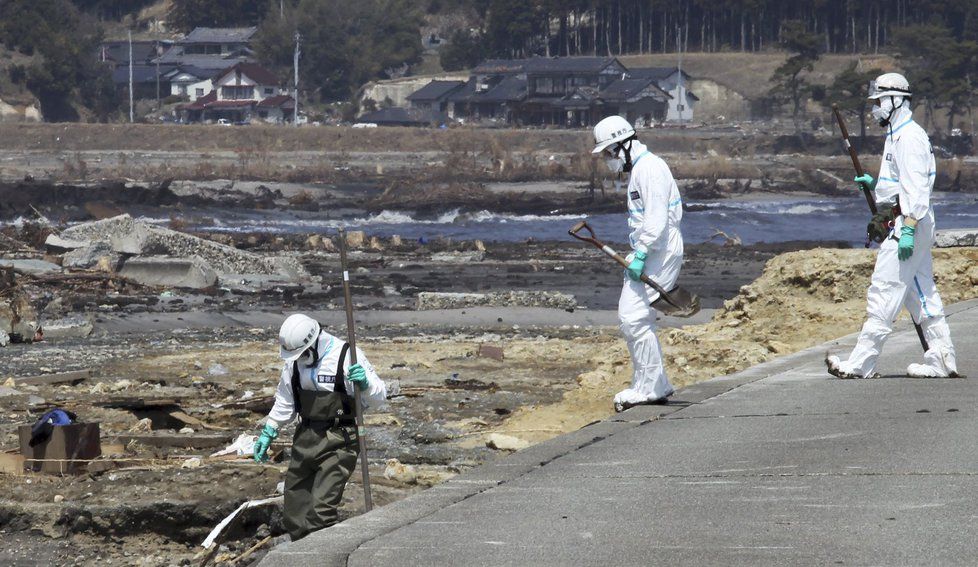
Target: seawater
[{"x": 753, "y": 221}]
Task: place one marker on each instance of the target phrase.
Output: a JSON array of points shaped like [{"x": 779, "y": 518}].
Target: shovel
[{"x": 678, "y": 302}]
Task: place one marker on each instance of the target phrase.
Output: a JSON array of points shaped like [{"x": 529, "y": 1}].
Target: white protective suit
[
  {"x": 322, "y": 377},
  {"x": 655, "y": 210},
  {"x": 906, "y": 175}
]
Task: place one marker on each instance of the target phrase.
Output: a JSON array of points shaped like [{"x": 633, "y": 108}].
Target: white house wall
[{"x": 206, "y": 85}]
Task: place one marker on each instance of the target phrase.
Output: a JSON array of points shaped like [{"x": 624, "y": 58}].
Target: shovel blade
[{"x": 680, "y": 303}]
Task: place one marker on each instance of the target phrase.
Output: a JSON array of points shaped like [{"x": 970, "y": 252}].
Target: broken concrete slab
[
  {"x": 76, "y": 327},
  {"x": 57, "y": 244},
  {"x": 956, "y": 237},
  {"x": 32, "y": 267},
  {"x": 87, "y": 257},
  {"x": 192, "y": 273},
  {"x": 128, "y": 236},
  {"x": 551, "y": 299}
]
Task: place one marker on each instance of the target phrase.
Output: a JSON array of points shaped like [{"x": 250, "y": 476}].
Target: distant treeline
[{"x": 616, "y": 27}]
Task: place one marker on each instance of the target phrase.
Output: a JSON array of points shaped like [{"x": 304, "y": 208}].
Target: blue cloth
[{"x": 41, "y": 430}]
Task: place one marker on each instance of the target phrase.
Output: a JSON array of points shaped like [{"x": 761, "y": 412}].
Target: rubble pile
[{"x": 154, "y": 255}]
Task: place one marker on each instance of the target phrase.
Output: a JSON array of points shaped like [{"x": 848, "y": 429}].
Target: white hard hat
[
  {"x": 889, "y": 84},
  {"x": 611, "y": 130},
  {"x": 298, "y": 333}
]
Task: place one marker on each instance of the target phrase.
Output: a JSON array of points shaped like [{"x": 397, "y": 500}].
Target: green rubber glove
[
  {"x": 905, "y": 245},
  {"x": 866, "y": 180},
  {"x": 636, "y": 265},
  {"x": 268, "y": 434},
  {"x": 358, "y": 376}
]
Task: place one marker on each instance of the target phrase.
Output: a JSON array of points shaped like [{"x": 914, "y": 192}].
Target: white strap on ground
[{"x": 224, "y": 523}]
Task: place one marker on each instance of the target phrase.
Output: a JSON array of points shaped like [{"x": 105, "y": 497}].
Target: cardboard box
[{"x": 67, "y": 451}]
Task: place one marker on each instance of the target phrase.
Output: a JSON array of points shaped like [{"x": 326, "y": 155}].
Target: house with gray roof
[
  {"x": 564, "y": 91},
  {"x": 433, "y": 98},
  {"x": 674, "y": 82},
  {"x": 217, "y": 41}
]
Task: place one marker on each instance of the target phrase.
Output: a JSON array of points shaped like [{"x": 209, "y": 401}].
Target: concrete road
[{"x": 778, "y": 465}]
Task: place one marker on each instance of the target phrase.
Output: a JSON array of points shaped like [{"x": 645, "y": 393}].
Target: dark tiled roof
[
  {"x": 191, "y": 70},
  {"x": 656, "y": 73},
  {"x": 395, "y": 115},
  {"x": 435, "y": 90},
  {"x": 219, "y": 35},
  {"x": 463, "y": 94},
  {"x": 544, "y": 65},
  {"x": 176, "y": 56},
  {"x": 624, "y": 89},
  {"x": 253, "y": 71},
  {"x": 568, "y": 64},
  {"x": 510, "y": 89},
  {"x": 118, "y": 51}
]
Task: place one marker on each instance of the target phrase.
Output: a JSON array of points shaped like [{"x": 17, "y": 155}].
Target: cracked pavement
[{"x": 778, "y": 464}]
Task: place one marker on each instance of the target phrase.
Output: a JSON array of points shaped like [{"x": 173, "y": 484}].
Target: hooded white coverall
[
  {"x": 655, "y": 210},
  {"x": 321, "y": 377},
  {"x": 906, "y": 175}
]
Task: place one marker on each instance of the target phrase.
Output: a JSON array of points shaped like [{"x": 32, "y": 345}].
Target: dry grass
[
  {"x": 749, "y": 73},
  {"x": 714, "y": 167}
]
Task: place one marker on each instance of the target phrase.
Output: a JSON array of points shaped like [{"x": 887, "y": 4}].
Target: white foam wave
[{"x": 803, "y": 210}]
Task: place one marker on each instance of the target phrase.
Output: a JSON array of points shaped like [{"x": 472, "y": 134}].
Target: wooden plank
[
  {"x": 182, "y": 441},
  {"x": 73, "y": 377},
  {"x": 130, "y": 403},
  {"x": 12, "y": 463},
  {"x": 193, "y": 421}
]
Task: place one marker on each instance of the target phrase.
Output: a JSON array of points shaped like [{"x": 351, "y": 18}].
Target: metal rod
[
  {"x": 351, "y": 338},
  {"x": 618, "y": 258},
  {"x": 855, "y": 157},
  {"x": 872, "y": 204}
]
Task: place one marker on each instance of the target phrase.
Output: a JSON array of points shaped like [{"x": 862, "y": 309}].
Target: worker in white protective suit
[
  {"x": 903, "y": 276},
  {"x": 317, "y": 385},
  {"x": 654, "y": 213}
]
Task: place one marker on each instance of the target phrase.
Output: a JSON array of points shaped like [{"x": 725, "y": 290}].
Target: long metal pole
[
  {"x": 295, "y": 88},
  {"x": 871, "y": 202},
  {"x": 131, "y": 112},
  {"x": 351, "y": 338}
]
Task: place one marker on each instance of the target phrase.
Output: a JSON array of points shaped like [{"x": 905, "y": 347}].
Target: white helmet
[
  {"x": 611, "y": 130},
  {"x": 297, "y": 334},
  {"x": 889, "y": 84}
]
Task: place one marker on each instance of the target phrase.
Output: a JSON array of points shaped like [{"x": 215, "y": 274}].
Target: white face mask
[
  {"x": 614, "y": 163},
  {"x": 884, "y": 111}
]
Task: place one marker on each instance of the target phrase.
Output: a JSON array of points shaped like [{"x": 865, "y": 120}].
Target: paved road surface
[{"x": 777, "y": 465}]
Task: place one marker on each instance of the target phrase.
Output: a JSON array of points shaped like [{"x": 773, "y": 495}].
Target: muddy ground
[
  {"x": 173, "y": 375},
  {"x": 195, "y": 369}
]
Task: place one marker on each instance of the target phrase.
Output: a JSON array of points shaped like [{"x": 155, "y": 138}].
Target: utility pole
[
  {"x": 131, "y": 111},
  {"x": 281, "y": 9},
  {"x": 295, "y": 86}
]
